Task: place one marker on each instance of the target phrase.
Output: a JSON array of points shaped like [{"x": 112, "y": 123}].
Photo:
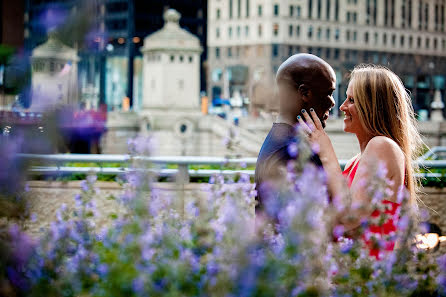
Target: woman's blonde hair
[{"x": 385, "y": 108}]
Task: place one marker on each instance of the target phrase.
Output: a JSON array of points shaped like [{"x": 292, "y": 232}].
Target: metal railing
[{"x": 57, "y": 164}]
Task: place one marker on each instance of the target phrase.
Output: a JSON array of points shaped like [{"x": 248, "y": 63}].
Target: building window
[
  {"x": 327, "y": 11},
  {"x": 239, "y": 9},
  {"x": 327, "y": 34},
  {"x": 402, "y": 40},
  {"x": 276, "y": 29},
  {"x": 238, "y": 31},
  {"x": 291, "y": 10},
  {"x": 259, "y": 30},
  {"x": 384, "y": 38},
  {"x": 310, "y": 32},
  {"x": 218, "y": 13},
  {"x": 427, "y": 42},
  {"x": 336, "y": 10},
  {"x": 246, "y": 31},
  {"x": 419, "y": 42},
  {"x": 259, "y": 10},
  {"x": 290, "y": 30},
  {"x": 229, "y": 52},
  {"x": 354, "y": 17},
  {"x": 355, "y": 36},
  {"x": 443, "y": 44},
  {"x": 276, "y": 9},
  {"x": 191, "y": 59},
  {"x": 310, "y": 8},
  {"x": 319, "y": 33},
  {"x": 348, "y": 16},
  {"x": 298, "y": 31},
  {"x": 230, "y": 32},
  {"x": 247, "y": 8},
  {"x": 298, "y": 12},
  {"x": 337, "y": 34},
  {"x": 230, "y": 9},
  {"x": 181, "y": 59},
  {"x": 366, "y": 37},
  {"x": 319, "y": 9},
  {"x": 347, "y": 35},
  {"x": 420, "y": 16},
  {"x": 327, "y": 53},
  {"x": 275, "y": 50},
  {"x": 393, "y": 39},
  {"x": 410, "y": 41},
  {"x": 217, "y": 32},
  {"x": 435, "y": 43},
  {"x": 376, "y": 37},
  {"x": 172, "y": 58},
  {"x": 336, "y": 53}
]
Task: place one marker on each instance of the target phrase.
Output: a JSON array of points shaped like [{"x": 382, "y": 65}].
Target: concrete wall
[{"x": 47, "y": 197}]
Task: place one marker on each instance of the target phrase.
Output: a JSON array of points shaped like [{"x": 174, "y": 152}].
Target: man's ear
[{"x": 305, "y": 92}]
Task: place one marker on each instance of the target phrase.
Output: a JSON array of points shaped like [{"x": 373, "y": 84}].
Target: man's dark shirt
[{"x": 274, "y": 154}]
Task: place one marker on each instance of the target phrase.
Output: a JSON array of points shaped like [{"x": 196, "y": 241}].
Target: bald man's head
[{"x": 305, "y": 81}]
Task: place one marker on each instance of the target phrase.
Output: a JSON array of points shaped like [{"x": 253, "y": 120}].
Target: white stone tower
[
  {"x": 171, "y": 67},
  {"x": 54, "y": 75}
]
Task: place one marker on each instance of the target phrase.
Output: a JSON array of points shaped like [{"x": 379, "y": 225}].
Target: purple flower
[
  {"x": 92, "y": 178},
  {"x": 292, "y": 149},
  {"x": 345, "y": 244},
  {"x": 138, "y": 285},
  {"x": 84, "y": 186},
  {"x": 338, "y": 231},
  {"x": 403, "y": 223},
  {"x": 103, "y": 269}
]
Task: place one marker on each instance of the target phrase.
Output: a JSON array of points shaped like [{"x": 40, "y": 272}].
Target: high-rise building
[
  {"x": 12, "y": 23},
  {"x": 249, "y": 39}
]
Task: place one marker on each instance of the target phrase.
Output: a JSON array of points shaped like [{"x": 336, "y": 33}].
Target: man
[{"x": 303, "y": 81}]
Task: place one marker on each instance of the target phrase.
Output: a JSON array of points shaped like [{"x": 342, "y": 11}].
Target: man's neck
[{"x": 286, "y": 119}]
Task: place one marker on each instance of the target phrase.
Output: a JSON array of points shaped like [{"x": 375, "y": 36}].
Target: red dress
[{"x": 383, "y": 231}]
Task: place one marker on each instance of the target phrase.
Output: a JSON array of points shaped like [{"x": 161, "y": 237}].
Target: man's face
[{"x": 322, "y": 97}]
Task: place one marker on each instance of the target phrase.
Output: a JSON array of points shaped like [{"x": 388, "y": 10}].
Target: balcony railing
[{"x": 57, "y": 164}]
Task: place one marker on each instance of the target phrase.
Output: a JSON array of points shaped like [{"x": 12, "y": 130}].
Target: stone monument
[
  {"x": 54, "y": 75},
  {"x": 171, "y": 85},
  {"x": 437, "y": 107}
]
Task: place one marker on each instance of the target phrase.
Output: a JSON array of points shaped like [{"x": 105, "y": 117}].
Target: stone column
[
  {"x": 431, "y": 18},
  {"x": 379, "y": 13},
  {"x": 415, "y": 5},
  {"x": 398, "y": 16}
]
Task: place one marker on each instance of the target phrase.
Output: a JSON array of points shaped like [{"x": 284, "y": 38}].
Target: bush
[{"x": 217, "y": 247}]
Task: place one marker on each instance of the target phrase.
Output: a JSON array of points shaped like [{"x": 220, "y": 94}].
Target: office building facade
[{"x": 249, "y": 39}]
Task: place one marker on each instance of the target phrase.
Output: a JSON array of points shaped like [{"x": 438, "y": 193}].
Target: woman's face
[{"x": 352, "y": 123}]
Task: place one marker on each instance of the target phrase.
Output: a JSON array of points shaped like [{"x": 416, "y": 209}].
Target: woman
[{"x": 379, "y": 112}]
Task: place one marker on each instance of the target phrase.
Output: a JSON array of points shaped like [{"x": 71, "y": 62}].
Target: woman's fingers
[
  {"x": 316, "y": 120},
  {"x": 308, "y": 120},
  {"x": 304, "y": 125}
]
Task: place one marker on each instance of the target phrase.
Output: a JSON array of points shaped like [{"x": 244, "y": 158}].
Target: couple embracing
[{"x": 377, "y": 110}]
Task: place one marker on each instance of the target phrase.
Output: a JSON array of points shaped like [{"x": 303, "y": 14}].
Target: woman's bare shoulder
[{"x": 384, "y": 148}]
